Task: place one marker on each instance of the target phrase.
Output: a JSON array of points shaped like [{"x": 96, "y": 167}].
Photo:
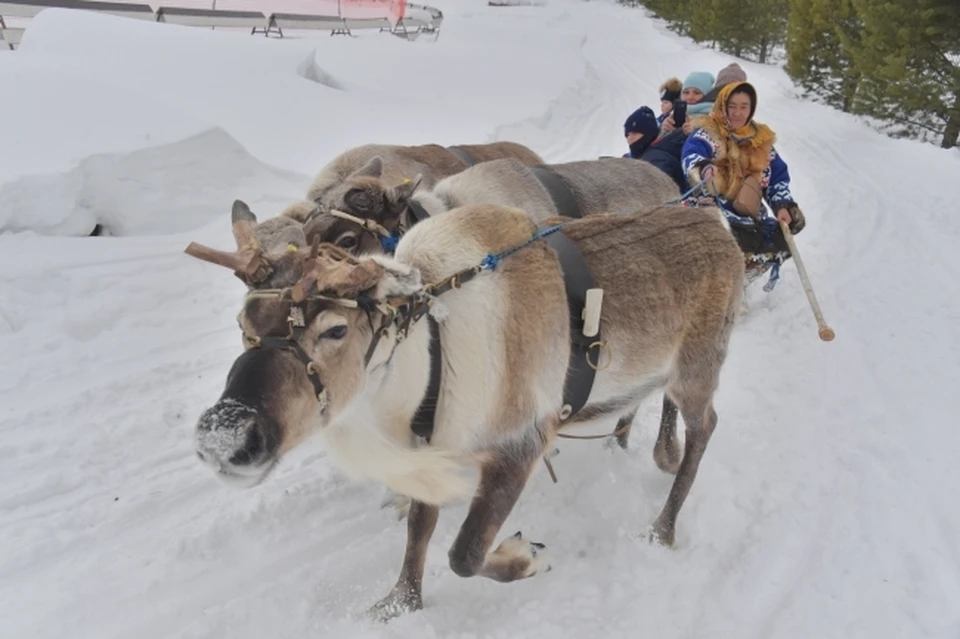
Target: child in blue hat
[{"x": 640, "y": 130}]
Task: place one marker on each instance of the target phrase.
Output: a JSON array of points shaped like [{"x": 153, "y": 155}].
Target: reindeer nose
[
  {"x": 252, "y": 447},
  {"x": 230, "y": 434}
]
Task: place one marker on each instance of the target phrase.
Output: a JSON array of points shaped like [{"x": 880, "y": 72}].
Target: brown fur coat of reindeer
[
  {"x": 357, "y": 216},
  {"x": 333, "y": 347},
  {"x": 393, "y": 166}
]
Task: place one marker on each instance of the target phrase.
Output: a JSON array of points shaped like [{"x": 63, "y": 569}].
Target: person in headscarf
[
  {"x": 733, "y": 72},
  {"x": 734, "y": 158}
]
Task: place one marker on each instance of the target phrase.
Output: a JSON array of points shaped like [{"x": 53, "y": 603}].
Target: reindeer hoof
[
  {"x": 399, "y": 602},
  {"x": 526, "y": 558},
  {"x": 661, "y": 533}
]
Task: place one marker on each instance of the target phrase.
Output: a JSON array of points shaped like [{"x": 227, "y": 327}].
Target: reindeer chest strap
[
  {"x": 423, "y": 419},
  {"x": 577, "y": 281},
  {"x": 563, "y": 198},
  {"x": 582, "y": 314}
]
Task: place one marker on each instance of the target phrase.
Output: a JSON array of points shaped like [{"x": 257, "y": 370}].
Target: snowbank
[
  {"x": 312, "y": 98},
  {"x": 53, "y": 117},
  {"x": 161, "y": 189}
]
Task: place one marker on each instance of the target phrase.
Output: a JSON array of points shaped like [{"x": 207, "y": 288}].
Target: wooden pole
[{"x": 826, "y": 333}]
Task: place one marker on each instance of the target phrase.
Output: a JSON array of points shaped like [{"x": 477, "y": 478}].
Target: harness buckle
[
  {"x": 603, "y": 345},
  {"x": 296, "y": 317}
]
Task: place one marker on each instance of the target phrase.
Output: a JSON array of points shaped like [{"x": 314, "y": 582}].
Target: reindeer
[
  {"x": 361, "y": 216},
  {"x": 334, "y": 345},
  {"x": 362, "y": 223},
  {"x": 389, "y": 165}
]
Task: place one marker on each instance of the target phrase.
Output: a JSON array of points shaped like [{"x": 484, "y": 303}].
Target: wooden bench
[
  {"x": 407, "y": 27},
  {"x": 11, "y": 36},
  {"x": 253, "y": 20},
  {"x": 30, "y": 8},
  {"x": 305, "y": 21},
  {"x": 366, "y": 23},
  {"x": 418, "y": 19}
]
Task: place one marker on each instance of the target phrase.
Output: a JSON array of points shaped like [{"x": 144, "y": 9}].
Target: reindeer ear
[
  {"x": 299, "y": 210},
  {"x": 402, "y": 192},
  {"x": 373, "y": 168},
  {"x": 242, "y": 212}
]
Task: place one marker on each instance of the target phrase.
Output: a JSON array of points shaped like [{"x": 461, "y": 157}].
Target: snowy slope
[{"x": 823, "y": 508}]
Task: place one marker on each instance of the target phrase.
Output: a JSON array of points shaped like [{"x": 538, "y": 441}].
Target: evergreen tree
[
  {"x": 744, "y": 28},
  {"x": 676, "y": 12},
  {"x": 821, "y": 35},
  {"x": 772, "y": 27},
  {"x": 910, "y": 60}
]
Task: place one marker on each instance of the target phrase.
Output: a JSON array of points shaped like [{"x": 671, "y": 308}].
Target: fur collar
[{"x": 740, "y": 153}]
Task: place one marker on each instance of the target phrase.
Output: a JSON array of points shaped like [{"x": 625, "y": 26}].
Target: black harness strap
[
  {"x": 417, "y": 211},
  {"x": 576, "y": 279},
  {"x": 423, "y": 419},
  {"x": 559, "y": 191},
  {"x": 291, "y": 342},
  {"x": 462, "y": 155}
]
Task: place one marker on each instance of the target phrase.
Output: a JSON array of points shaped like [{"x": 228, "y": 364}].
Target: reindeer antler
[
  {"x": 246, "y": 259},
  {"x": 329, "y": 267}
]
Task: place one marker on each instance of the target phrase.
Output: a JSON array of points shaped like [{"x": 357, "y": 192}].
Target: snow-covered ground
[{"x": 824, "y": 507}]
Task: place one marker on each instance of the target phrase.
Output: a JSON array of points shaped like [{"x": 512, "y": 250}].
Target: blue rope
[
  {"x": 389, "y": 244},
  {"x": 492, "y": 260},
  {"x": 686, "y": 195}
]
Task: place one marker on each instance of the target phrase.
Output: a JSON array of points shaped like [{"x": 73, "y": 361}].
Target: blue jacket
[
  {"x": 664, "y": 154},
  {"x": 700, "y": 148}
]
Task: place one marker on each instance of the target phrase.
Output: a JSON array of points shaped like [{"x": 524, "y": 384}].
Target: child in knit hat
[
  {"x": 640, "y": 130},
  {"x": 669, "y": 91}
]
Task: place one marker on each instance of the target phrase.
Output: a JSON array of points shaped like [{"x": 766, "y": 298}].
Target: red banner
[{"x": 393, "y": 9}]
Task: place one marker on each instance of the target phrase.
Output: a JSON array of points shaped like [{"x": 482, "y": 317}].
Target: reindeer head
[
  {"x": 362, "y": 195},
  {"x": 314, "y": 321}
]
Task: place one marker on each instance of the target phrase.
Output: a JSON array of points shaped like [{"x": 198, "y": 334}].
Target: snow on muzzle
[{"x": 264, "y": 407}]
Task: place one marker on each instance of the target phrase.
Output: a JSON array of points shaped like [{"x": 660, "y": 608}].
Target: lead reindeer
[
  {"x": 336, "y": 345},
  {"x": 364, "y": 215}
]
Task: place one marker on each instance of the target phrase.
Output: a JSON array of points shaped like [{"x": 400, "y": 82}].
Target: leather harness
[
  {"x": 577, "y": 280},
  {"x": 563, "y": 198},
  {"x": 462, "y": 155}
]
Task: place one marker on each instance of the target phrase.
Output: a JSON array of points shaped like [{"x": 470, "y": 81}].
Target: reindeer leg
[
  {"x": 502, "y": 479},
  {"x": 701, "y": 420},
  {"x": 697, "y": 380},
  {"x": 406, "y": 595},
  {"x": 666, "y": 452}
]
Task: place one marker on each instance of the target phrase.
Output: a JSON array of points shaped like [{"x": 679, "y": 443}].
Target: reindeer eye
[
  {"x": 347, "y": 241},
  {"x": 336, "y": 332}
]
